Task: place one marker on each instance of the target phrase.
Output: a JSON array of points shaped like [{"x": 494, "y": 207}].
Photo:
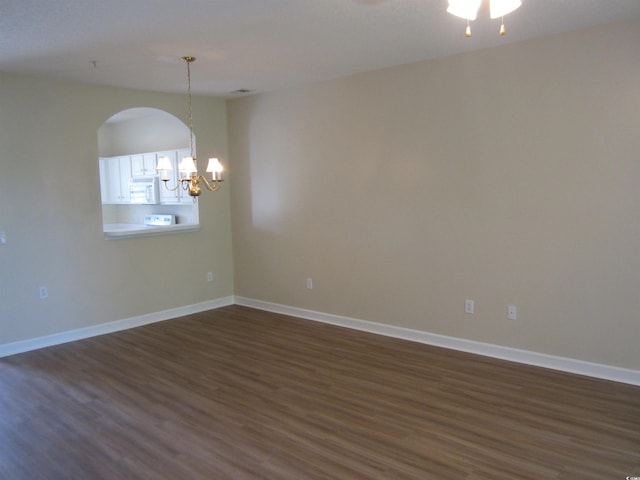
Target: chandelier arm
[
  {"x": 211, "y": 188},
  {"x": 171, "y": 189}
]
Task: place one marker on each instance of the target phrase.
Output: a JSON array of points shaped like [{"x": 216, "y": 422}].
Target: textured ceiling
[{"x": 259, "y": 45}]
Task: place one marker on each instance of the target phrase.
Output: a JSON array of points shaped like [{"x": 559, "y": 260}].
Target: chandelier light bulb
[
  {"x": 215, "y": 169},
  {"x": 164, "y": 167}
]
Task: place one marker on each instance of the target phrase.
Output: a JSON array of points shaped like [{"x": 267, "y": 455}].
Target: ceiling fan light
[
  {"x": 467, "y": 9},
  {"x": 499, "y": 8}
]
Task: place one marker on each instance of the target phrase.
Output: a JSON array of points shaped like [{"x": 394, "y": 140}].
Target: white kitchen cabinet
[
  {"x": 144, "y": 164},
  {"x": 115, "y": 173},
  {"x": 104, "y": 178}
]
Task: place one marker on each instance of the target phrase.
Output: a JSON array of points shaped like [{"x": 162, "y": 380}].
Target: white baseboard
[
  {"x": 580, "y": 367},
  {"x": 564, "y": 364},
  {"x": 110, "y": 327}
]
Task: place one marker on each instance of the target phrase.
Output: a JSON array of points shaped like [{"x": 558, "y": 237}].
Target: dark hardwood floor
[{"x": 237, "y": 393}]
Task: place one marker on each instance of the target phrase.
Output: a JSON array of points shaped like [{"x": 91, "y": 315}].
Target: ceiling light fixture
[
  {"x": 468, "y": 9},
  {"x": 188, "y": 167}
]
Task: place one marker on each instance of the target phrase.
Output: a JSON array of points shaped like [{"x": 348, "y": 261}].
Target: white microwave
[{"x": 144, "y": 190}]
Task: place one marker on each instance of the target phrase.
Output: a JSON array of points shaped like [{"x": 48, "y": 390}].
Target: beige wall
[
  {"x": 507, "y": 176},
  {"x": 51, "y": 213}
]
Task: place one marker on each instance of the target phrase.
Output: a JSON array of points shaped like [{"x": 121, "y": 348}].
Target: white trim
[
  {"x": 580, "y": 367},
  {"x": 110, "y": 327}
]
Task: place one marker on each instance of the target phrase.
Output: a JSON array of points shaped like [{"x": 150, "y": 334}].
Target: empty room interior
[{"x": 303, "y": 239}]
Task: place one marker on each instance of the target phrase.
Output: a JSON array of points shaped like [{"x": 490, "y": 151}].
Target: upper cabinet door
[
  {"x": 115, "y": 173},
  {"x": 143, "y": 164}
]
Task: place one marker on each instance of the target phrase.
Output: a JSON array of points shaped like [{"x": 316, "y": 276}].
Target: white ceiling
[{"x": 260, "y": 45}]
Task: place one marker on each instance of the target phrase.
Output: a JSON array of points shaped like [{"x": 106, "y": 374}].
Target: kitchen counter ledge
[{"x": 114, "y": 231}]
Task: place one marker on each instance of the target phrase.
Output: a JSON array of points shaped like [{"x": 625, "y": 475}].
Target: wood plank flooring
[{"x": 237, "y": 393}]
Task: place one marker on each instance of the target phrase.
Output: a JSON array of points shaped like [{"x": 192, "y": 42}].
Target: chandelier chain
[{"x": 193, "y": 153}]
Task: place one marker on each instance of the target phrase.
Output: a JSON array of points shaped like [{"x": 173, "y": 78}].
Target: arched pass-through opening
[{"x": 134, "y": 201}]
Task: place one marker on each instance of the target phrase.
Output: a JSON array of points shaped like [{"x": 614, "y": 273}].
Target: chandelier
[
  {"x": 468, "y": 9},
  {"x": 189, "y": 179}
]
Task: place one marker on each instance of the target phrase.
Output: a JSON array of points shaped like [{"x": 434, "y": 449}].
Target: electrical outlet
[
  {"x": 512, "y": 312},
  {"x": 3, "y": 238},
  {"x": 468, "y": 306},
  {"x": 310, "y": 283},
  {"x": 44, "y": 293},
  {"x": 209, "y": 276}
]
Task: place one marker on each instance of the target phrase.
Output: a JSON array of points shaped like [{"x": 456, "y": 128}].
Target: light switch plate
[{"x": 3, "y": 238}]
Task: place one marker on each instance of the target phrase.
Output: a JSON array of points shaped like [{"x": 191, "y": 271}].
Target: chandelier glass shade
[{"x": 468, "y": 9}]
